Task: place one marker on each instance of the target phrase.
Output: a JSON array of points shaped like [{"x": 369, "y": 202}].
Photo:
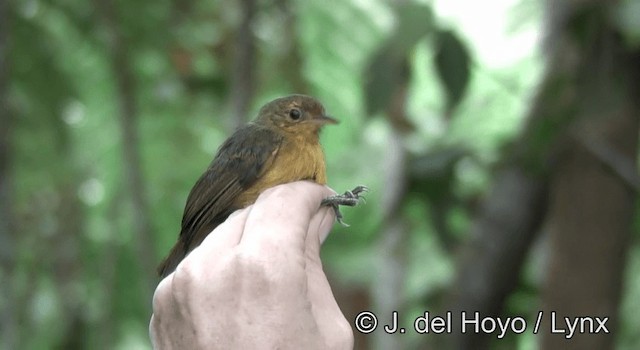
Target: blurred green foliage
[{"x": 67, "y": 143}]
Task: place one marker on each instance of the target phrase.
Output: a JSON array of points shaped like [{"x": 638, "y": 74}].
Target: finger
[
  {"x": 281, "y": 215},
  {"x": 320, "y": 226},
  {"x": 164, "y": 307}
]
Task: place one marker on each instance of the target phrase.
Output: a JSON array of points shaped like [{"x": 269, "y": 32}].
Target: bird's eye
[{"x": 295, "y": 114}]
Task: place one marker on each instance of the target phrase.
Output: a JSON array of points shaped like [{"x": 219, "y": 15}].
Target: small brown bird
[{"x": 281, "y": 145}]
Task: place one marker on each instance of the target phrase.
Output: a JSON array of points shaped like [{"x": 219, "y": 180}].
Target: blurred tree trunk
[
  {"x": 590, "y": 225},
  {"x": 491, "y": 261},
  {"x": 118, "y": 50},
  {"x": 244, "y": 63},
  {"x": 509, "y": 217},
  {"x": 587, "y": 94},
  {"x": 594, "y": 182},
  {"x": 65, "y": 260},
  {"x": 291, "y": 64},
  {"x": 108, "y": 326},
  {"x": 511, "y": 214},
  {"x": 8, "y": 316}
]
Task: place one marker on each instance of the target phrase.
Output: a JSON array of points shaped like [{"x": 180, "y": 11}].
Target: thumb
[{"x": 319, "y": 227}]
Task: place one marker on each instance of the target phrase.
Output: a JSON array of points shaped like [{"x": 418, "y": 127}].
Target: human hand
[{"x": 256, "y": 282}]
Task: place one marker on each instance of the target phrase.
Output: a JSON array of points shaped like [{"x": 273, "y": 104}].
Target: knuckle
[
  {"x": 183, "y": 281},
  {"x": 161, "y": 296}
]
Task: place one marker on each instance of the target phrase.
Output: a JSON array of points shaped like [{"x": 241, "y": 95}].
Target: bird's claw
[{"x": 349, "y": 198}]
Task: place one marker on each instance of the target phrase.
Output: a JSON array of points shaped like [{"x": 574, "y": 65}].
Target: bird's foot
[{"x": 349, "y": 198}]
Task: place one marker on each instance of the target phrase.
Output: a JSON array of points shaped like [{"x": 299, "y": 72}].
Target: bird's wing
[{"x": 241, "y": 160}]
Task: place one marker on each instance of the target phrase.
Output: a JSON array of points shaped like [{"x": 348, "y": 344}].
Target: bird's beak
[{"x": 325, "y": 119}]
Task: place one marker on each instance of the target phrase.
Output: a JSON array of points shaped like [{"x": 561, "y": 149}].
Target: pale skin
[{"x": 256, "y": 282}]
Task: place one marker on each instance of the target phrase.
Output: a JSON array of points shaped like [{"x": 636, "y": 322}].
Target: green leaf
[
  {"x": 415, "y": 21},
  {"x": 382, "y": 77},
  {"x": 625, "y": 17},
  {"x": 452, "y": 62},
  {"x": 387, "y": 69}
]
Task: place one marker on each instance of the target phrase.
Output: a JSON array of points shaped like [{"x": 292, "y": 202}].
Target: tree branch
[
  {"x": 244, "y": 62},
  {"x": 8, "y": 317},
  {"x": 118, "y": 51}
]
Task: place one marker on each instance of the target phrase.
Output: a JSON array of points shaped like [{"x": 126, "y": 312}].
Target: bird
[{"x": 281, "y": 145}]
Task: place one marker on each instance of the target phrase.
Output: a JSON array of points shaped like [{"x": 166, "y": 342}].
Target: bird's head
[{"x": 297, "y": 114}]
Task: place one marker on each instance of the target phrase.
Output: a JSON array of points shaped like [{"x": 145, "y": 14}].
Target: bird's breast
[{"x": 298, "y": 158}]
